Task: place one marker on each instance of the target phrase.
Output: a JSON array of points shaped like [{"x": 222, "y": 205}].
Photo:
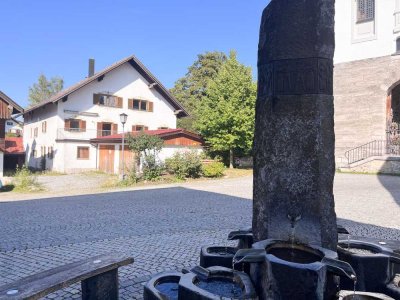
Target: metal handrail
[{"x": 374, "y": 148}]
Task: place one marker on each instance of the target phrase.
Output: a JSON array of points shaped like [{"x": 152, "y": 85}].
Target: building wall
[
  {"x": 1, "y": 163},
  {"x": 123, "y": 82},
  {"x": 365, "y": 71},
  {"x": 357, "y": 41},
  {"x": 361, "y": 89},
  {"x": 46, "y": 139},
  {"x": 12, "y": 126}
]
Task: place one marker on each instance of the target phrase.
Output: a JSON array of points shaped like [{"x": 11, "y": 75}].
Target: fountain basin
[
  {"x": 349, "y": 295},
  {"x": 296, "y": 271},
  {"x": 374, "y": 265},
  {"x": 164, "y": 286},
  {"x": 217, "y": 256},
  {"x": 220, "y": 283}
]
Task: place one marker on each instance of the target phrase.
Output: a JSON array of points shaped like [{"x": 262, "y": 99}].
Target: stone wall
[
  {"x": 361, "y": 89},
  {"x": 377, "y": 164}
]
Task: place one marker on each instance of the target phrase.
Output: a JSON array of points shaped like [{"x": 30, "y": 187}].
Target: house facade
[
  {"x": 8, "y": 108},
  {"x": 58, "y": 132},
  {"x": 14, "y": 127},
  {"x": 367, "y": 82}
]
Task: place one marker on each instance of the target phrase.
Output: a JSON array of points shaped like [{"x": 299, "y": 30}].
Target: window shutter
[
  {"x": 82, "y": 125},
  {"x": 120, "y": 102},
  {"x": 96, "y": 98},
  {"x": 67, "y": 125},
  {"x": 114, "y": 129},
  {"x": 150, "y": 106},
  {"x": 130, "y": 103},
  {"x": 99, "y": 129}
]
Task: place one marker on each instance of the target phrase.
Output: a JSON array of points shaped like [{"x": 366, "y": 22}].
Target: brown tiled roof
[{"x": 135, "y": 64}]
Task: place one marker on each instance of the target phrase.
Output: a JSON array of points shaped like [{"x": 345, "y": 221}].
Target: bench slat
[{"x": 44, "y": 283}]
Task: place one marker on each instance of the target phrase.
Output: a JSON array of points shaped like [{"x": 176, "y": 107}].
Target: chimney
[{"x": 91, "y": 67}]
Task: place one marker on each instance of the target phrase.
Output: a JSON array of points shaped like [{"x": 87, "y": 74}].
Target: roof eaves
[{"x": 11, "y": 102}]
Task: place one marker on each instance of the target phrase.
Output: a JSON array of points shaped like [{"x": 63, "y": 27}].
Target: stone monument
[{"x": 294, "y": 136}]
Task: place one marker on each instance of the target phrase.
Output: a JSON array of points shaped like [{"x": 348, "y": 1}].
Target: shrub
[
  {"x": 152, "y": 169},
  {"x": 184, "y": 165},
  {"x": 26, "y": 181},
  {"x": 214, "y": 169},
  {"x": 133, "y": 175}
]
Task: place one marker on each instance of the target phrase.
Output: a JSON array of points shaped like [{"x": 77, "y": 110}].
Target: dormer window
[
  {"x": 107, "y": 100},
  {"x": 365, "y": 10}
]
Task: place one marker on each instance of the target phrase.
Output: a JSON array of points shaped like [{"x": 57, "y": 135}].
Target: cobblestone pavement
[{"x": 163, "y": 228}]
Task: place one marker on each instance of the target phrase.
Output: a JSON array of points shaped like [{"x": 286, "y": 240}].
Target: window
[
  {"x": 398, "y": 45},
  {"x": 43, "y": 151},
  {"x": 365, "y": 10},
  {"x": 139, "y": 128},
  {"x": 35, "y": 132},
  {"x": 50, "y": 152},
  {"x": 44, "y": 127},
  {"x": 107, "y": 100},
  {"x": 10, "y": 123},
  {"x": 75, "y": 125},
  {"x": 105, "y": 129},
  {"x": 142, "y": 105},
  {"x": 82, "y": 153}
]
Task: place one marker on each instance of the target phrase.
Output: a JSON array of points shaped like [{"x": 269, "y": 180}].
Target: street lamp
[{"x": 123, "y": 118}]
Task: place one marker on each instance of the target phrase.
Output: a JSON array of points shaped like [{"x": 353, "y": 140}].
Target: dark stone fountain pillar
[{"x": 294, "y": 137}]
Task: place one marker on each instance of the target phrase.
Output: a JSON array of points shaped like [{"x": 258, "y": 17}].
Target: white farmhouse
[
  {"x": 367, "y": 84},
  {"x": 58, "y": 132}
]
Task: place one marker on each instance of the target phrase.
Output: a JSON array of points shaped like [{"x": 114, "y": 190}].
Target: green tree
[
  {"x": 226, "y": 114},
  {"x": 147, "y": 146},
  {"x": 44, "y": 89},
  {"x": 190, "y": 89}
]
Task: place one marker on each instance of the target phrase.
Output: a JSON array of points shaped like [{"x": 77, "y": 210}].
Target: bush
[
  {"x": 26, "y": 181},
  {"x": 133, "y": 176},
  {"x": 152, "y": 169},
  {"x": 184, "y": 165},
  {"x": 214, "y": 169}
]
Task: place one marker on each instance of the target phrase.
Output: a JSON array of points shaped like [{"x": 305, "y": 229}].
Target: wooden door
[
  {"x": 129, "y": 158},
  {"x": 106, "y": 163}
]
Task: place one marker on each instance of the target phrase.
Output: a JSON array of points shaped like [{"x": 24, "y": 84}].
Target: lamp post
[{"x": 123, "y": 118}]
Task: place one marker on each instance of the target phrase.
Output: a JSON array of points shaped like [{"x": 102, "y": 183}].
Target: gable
[{"x": 99, "y": 76}]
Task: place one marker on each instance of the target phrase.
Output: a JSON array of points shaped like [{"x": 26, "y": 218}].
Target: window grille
[{"x": 365, "y": 10}]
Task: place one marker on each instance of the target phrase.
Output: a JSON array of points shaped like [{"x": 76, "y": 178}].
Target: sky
[{"x": 57, "y": 38}]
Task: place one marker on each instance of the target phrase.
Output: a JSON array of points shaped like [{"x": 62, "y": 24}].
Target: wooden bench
[{"x": 98, "y": 277}]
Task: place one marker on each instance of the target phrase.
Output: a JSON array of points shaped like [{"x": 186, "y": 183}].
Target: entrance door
[{"x": 106, "y": 163}]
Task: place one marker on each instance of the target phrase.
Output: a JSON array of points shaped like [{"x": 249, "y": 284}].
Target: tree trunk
[{"x": 230, "y": 159}]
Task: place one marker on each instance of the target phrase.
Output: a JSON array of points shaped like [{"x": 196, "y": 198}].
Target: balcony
[{"x": 81, "y": 134}]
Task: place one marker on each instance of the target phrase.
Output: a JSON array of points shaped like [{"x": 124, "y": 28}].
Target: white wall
[
  {"x": 47, "y": 139},
  {"x": 353, "y": 42},
  {"x": 123, "y": 82},
  {"x": 169, "y": 151}
]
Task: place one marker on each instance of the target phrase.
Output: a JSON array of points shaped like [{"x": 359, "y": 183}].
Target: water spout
[
  {"x": 340, "y": 268},
  {"x": 249, "y": 256}
]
